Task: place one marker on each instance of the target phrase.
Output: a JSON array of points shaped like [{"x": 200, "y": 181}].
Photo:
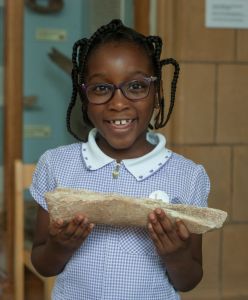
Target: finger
[
  {"x": 159, "y": 230},
  {"x": 167, "y": 225},
  {"x": 72, "y": 226},
  {"x": 153, "y": 235},
  {"x": 81, "y": 227},
  {"x": 183, "y": 231},
  {"x": 55, "y": 227},
  {"x": 88, "y": 229}
]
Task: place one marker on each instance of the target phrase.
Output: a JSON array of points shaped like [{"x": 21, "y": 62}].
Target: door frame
[{"x": 13, "y": 99}]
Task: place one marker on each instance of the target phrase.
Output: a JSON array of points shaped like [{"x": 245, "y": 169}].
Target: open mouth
[{"x": 121, "y": 122}]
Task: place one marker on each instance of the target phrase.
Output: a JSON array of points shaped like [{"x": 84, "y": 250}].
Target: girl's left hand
[{"x": 169, "y": 239}]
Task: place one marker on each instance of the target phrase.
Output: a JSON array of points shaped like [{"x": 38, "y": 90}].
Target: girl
[{"x": 117, "y": 73}]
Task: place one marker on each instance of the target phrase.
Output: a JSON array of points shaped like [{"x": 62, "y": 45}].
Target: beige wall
[{"x": 210, "y": 126}]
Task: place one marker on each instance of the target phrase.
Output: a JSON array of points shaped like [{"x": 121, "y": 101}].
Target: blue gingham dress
[{"x": 118, "y": 263}]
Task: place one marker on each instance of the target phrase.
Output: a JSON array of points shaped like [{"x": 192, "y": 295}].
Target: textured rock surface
[{"x": 118, "y": 210}]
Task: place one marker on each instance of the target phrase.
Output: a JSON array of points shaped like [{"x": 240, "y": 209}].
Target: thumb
[{"x": 183, "y": 231}]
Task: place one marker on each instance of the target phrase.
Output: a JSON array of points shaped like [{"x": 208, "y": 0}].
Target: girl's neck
[{"x": 127, "y": 153}]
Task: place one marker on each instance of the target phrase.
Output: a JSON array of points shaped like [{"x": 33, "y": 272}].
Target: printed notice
[
  {"x": 226, "y": 13},
  {"x": 48, "y": 34}
]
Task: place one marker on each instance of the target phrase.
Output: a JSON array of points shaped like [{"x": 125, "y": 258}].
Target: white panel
[
  {"x": 153, "y": 17},
  {"x": 102, "y": 12},
  {"x": 37, "y": 131},
  {"x": 226, "y": 13},
  {"x": 122, "y": 10}
]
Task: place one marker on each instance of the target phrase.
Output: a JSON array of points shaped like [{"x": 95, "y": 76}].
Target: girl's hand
[
  {"x": 170, "y": 239},
  {"x": 70, "y": 235}
]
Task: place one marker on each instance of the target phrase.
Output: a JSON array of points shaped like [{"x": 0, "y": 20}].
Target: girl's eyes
[
  {"x": 133, "y": 86},
  {"x": 100, "y": 88},
  {"x": 137, "y": 85}
]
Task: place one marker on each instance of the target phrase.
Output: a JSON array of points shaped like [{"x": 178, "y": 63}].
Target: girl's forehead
[{"x": 123, "y": 51}]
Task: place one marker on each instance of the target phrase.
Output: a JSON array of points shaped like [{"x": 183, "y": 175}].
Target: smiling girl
[{"x": 117, "y": 74}]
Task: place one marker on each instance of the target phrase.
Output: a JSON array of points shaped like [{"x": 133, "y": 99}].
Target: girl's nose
[{"x": 118, "y": 101}]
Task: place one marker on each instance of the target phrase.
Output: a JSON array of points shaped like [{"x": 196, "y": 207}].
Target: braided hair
[{"x": 115, "y": 31}]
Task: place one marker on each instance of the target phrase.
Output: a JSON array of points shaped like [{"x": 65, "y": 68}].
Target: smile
[{"x": 121, "y": 122}]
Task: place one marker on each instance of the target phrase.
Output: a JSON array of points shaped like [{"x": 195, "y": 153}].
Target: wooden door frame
[
  {"x": 142, "y": 16},
  {"x": 13, "y": 95}
]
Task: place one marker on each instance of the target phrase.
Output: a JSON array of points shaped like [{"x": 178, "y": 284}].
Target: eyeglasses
[{"x": 100, "y": 93}]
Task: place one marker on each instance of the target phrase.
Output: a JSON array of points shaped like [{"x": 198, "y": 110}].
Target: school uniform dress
[{"x": 117, "y": 263}]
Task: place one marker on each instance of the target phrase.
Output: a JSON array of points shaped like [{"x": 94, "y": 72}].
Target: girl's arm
[
  {"x": 180, "y": 250},
  {"x": 55, "y": 242}
]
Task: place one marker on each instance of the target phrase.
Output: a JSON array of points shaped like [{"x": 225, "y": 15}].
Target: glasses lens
[
  {"x": 136, "y": 89},
  {"x": 99, "y": 93}
]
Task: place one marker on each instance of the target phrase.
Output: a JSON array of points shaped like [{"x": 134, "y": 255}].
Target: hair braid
[
  {"x": 157, "y": 46},
  {"x": 74, "y": 77},
  {"x": 173, "y": 91},
  {"x": 156, "y": 43}
]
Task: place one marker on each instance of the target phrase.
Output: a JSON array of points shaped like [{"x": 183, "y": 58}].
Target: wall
[{"x": 210, "y": 126}]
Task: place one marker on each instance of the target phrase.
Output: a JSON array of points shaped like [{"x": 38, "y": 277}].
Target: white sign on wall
[{"x": 226, "y": 13}]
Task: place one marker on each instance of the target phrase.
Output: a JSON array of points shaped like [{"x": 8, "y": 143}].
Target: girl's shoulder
[
  {"x": 180, "y": 163},
  {"x": 62, "y": 152},
  {"x": 181, "y": 160},
  {"x": 66, "y": 148}
]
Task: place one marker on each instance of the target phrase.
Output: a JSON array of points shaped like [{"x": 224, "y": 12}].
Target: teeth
[{"x": 121, "y": 122}]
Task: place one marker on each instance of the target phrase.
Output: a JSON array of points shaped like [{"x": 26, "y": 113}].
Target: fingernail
[
  {"x": 154, "y": 220},
  {"x": 184, "y": 231},
  {"x": 79, "y": 218},
  {"x": 152, "y": 216},
  {"x": 158, "y": 211},
  {"x": 59, "y": 222}
]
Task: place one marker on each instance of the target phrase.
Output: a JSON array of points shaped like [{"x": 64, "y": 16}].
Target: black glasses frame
[{"x": 119, "y": 87}]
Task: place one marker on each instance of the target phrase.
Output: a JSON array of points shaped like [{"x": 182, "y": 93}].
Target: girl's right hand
[{"x": 70, "y": 235}]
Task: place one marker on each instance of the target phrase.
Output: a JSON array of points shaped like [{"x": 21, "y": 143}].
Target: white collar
[{"x": 140, "y": 167}]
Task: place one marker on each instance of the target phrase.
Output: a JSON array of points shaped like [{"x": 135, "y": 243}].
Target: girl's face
[{"x": 122, "y": 123}]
